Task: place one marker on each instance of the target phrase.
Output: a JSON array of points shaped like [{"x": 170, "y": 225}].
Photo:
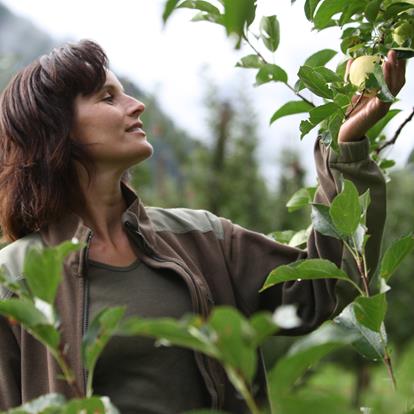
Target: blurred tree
[{"x": 227, "y": 177}]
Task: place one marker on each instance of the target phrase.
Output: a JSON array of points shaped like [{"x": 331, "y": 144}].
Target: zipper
[
  {"x": 85, "y": 303},
  {"x": 197, "y": 301}
]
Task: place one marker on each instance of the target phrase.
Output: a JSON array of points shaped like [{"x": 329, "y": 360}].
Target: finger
[
  {"x": 396, "y": 71},
  {"x": 348, "y": 67},
  {"x": 401, "y": 63},
  {"x": 390, "y": 75},
  {"x": 392, "y": 56}
]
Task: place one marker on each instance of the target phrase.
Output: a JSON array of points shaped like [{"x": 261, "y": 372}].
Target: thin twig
[
  {"x": 396, "y": 135},
  {"x": 300, "y": 95},
  {"x": 67, "y": 372},
  {"x": 255, "y": 50},
  {"x": 364, "y": 277},
  {"x": 388, "y": 364},
  {"x": 360, "y": 267},
  {"x": 265, "y": 61},
  {"x": 354, "y": 106}
]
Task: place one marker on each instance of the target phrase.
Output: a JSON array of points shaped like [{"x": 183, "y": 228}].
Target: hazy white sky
[{"x": 168, "y": 61}]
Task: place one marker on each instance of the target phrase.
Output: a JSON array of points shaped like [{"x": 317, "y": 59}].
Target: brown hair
[{"x": 38, "y": 179}]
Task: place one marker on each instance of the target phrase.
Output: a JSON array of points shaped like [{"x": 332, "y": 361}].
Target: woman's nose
[{"x": 137, "y": 107}]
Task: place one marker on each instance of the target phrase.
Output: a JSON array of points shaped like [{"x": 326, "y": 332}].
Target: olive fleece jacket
[{"x": 220, "y": 262}]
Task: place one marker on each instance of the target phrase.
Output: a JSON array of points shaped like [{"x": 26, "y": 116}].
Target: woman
[{"x": 68, "y": 135}]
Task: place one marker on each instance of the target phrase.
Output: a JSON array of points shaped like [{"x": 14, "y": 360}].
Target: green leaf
[
  {"x": 394, "y": 255},
  {"x": 318, "y": 114},
  {"x": 91, "y": 405},
  {"x": 236, "y": 19},
  {"x": 384, "y": 93},
  {"x": 340, "y": 71},
  {"x": 22, "y": 311},
  {"x": 314, "y": 82},
  {"x": 305, "y": 127},
  {"x": 32, "y": 319},
  {"x": 334, "y": 124},
  {"x": 270, "y": 73},
  {"x": 304, "y": 353},
  {"x": 310, "y": 7},
  {"x": 327, "y": 9},
  {"x": 169, "y": 7},
  {"x": 270, "y": 32},
  {"x": 263, "y": 326},
  {"x": 375, "y": 130},
  {"x": 370, "y": 343},
  {"x": 207, "y": 17},
  {"x": 41, "y": 404},
  {"x": 364, "y": 202},
  {"x": 385, "y": 164},
  {"x": 250, "y": 61},
  {"x": 322, "y": 221},
  {"x": 291, "y": 108},
  {"x": 309, "y": 269},
  {"x": 235, "y": 339},
  {"x": 345, "y": 209},
  {"x": 301, "y": 198},
  {"x": 320, "y": 58},
  {"x": 97, "y": 336},
  {"x": 282, "y": 236},
  {"x": 329, "y": 75},
  {"x": 299, "y": 238},
  {"x": 370, "y": 311},
  {"x": 395, "y": 8},
  {"x": 342, "y": 100},
  {"x": 353, "y": 7},
  {"x": 43, "y": 269},
  {"x": 199, "y": 5},
  {"x": 372, "y": 9},
  {"x": 184, "y": 332}
]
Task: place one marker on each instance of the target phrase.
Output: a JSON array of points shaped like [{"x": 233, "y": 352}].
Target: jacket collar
[{"x": 72, "y": 227}]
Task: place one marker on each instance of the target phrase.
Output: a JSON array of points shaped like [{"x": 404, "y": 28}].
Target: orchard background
[{"x": 343, "y": 380}]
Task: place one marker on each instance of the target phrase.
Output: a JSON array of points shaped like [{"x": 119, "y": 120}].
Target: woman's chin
[{"x": 144, "y": 153}]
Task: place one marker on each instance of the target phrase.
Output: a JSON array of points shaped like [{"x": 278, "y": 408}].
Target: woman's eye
[{"x": 108, "y": 98}]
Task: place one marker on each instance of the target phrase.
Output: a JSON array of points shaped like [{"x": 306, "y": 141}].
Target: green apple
[
  {"x": 360, "y": 69},
  {"x": 403, "y": 32}
]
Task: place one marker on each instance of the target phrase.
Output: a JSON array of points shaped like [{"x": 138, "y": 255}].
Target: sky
[{"x": 168, "y": 61}]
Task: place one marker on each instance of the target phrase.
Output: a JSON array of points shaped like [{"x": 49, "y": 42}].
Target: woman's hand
[{"x": 370, "y": 110}]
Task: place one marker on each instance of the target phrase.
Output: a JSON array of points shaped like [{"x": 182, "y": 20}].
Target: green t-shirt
[{"x": 139, "y": 377}]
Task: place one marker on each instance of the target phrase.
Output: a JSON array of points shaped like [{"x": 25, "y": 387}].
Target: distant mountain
[{"x": 20, "y": 43}]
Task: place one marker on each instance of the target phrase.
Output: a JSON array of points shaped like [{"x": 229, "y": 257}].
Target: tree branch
[
  {"x": 396, "y": 135},
  {"x": 265, "y": 61}
]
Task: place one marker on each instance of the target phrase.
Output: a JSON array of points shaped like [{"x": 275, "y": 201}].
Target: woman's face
[{"x": 108, "y": 123}]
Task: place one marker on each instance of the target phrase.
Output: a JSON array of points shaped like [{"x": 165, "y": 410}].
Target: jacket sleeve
[
  {"x": 252, "y": 256},
  {"x": 10, "y": 395}
]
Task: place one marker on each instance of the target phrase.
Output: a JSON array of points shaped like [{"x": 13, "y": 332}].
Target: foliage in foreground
[{"x": 226, "y": 335}]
